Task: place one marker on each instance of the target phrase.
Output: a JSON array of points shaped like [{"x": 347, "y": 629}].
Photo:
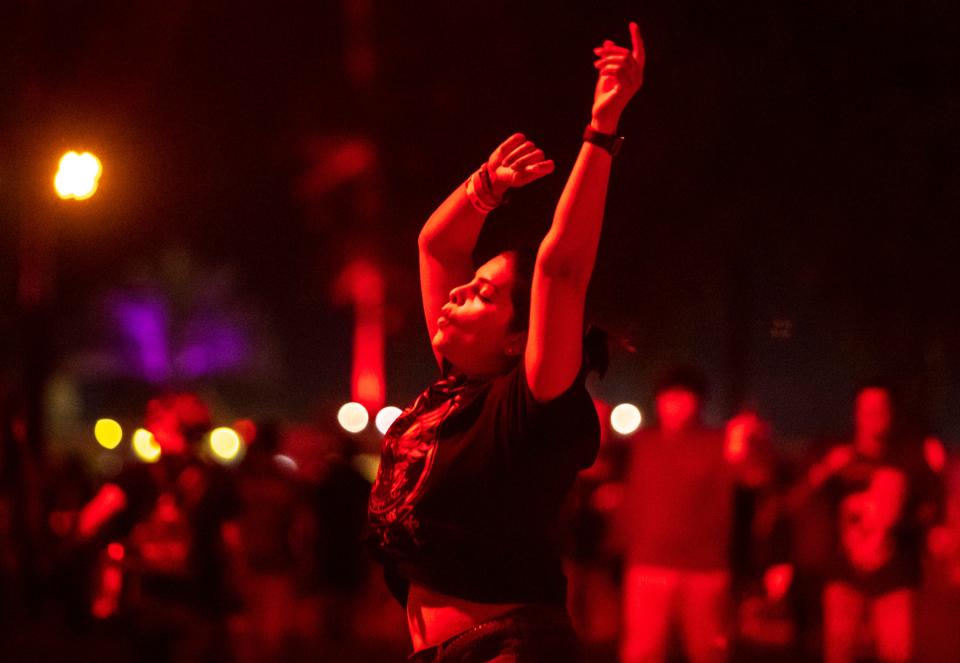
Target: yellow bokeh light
[
  {"x": 145, "y": 446},
  {"x": 78, "y": 176},
  {"x": 225, "y": 443},
  {"x": 108, "y": 433},
  {"x": 353, "y": 417},
  {"x": 386, "y": 417},
  {"x": 367, "y": 465},
  {"x": 626, "y": 418}
]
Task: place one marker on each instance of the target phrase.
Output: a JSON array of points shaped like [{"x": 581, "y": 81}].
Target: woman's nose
[{"x": 457, "y": 295}]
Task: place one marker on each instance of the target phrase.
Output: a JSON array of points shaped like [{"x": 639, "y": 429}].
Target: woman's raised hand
[
  {"x": 621, "y": 75},
  {"x": 515, "y": 163}
]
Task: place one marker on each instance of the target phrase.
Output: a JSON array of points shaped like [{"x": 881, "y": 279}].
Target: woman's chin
[{"x": 441, "y": 343}]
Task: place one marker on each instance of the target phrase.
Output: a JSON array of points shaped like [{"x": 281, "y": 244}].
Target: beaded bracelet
[{"x": 479, "y": 203}]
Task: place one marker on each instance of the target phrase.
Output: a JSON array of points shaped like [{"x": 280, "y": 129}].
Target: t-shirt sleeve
[{"x": 567, "y": 424}]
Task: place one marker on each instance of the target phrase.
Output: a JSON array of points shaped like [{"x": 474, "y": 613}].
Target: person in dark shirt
[
  {"x": 677, "y": 518},
  {"x": 882, "y": 501},
  {"x": 472, "y": 475}
]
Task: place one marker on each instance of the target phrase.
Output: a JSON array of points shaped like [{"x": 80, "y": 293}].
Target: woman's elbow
[
  {"x": 441, "y": 248},
  {"x": 426, "y": 241},
  {"x": 563, "y": 266}
]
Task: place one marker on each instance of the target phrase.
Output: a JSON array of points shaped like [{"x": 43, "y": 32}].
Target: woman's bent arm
[{"x": 448, "y": 238}]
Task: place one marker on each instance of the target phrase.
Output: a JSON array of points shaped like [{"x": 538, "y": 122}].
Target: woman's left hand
[
  {"x": 621, "y": 75},
  {"x": 516, "y": 162}
]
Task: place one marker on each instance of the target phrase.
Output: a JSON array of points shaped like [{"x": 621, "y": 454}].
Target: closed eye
[{"x": 486, "y": 292}]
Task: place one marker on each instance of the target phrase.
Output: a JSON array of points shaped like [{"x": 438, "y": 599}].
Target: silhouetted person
[
  {"x": 677, "y": 515},
  {"x": 267, "y": 561},
  {"x": 170, "y": 517},
  {"x": 22, "y": 526},
  {"x": 878, "y": 491},
  {"x": 339, "y": 509}
]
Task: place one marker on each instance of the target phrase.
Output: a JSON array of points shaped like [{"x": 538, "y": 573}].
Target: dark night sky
[{"x": 790, "y": 167}]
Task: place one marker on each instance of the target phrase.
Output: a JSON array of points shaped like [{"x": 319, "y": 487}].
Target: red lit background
[
  {"x": 783, "y": 213},
  {"x": 800, "y": 164}
]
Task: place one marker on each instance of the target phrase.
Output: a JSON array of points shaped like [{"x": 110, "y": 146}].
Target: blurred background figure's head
[
  {"x": 873, "y": 417},
  {"x": 177, "y": 421},
  {"x": 679, "y": 394}
]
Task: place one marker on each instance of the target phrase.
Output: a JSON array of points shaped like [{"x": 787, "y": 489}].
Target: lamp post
[
  {"x": 78, "y": 176},
  {"x": 76, "y": 179}
]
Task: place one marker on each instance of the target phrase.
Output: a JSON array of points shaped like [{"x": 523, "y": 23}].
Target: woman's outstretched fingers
[
  {"x": 524, "y": 148},
  {"x": 639, "y": 53},
  {"x": 526, "y": 159},
  {"x": 637, "y": 41},
  {"x": 611, "y": 49},
  {"x": 611, "y": 59},
  {"x": 531, "y": 172},
  {"x": 507, "y": 146},
  {"x": 541, "y": 168}
]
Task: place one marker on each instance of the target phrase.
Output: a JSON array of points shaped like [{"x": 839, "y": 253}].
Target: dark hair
[
  {"x": 596, "y": 350},
  {"x": 688, "y": 378},
  {"x": 524, "y": 260}
]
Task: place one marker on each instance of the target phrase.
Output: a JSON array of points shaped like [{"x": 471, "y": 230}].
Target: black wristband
[{"x": 609, "y": 142}]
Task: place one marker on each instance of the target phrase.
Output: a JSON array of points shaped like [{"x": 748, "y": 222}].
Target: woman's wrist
[
  {"x": 481, "y": 191},
  {"x": 604, "y": 125}
]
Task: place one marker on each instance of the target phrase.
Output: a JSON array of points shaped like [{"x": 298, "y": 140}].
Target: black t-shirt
[
  {"x": 878, "y": 533},
  {"x": 471, "y": 482},
  {"x": 172, "y": 524}
]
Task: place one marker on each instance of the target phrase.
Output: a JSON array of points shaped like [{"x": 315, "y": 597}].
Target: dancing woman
[{"x": 473, "y": 473}]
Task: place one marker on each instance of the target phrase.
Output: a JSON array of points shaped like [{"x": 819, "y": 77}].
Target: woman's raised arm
[
  {"x": 566, "y": 256},
  {"x": 448, "y": 238}
]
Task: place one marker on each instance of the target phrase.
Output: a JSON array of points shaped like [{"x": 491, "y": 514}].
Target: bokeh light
[
  {"x": 626, "y": 418},
  {"x": 225, "y": 443},
  {"x": 108, "y": 433},
  {"x": 286, "y": 463},
  {"x": 145, "y": 446},
  {"x": 78, "y": 176},
  {"x": 353, "y": 417},
  {"x": 386, "y": 417}
]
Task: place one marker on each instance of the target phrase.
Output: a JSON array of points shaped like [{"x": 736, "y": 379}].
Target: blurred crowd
[
  {"x": 716, "y": 545},
  {"x": 683, "y": 543}
]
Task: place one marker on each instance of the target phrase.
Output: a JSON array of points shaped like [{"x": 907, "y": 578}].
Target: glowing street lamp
[
  {"x": 626, "y": 418},
  {"x": 78, "y": 176}
]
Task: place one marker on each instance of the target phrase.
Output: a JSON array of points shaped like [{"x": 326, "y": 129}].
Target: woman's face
[{"x": 473, "y": 330}]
